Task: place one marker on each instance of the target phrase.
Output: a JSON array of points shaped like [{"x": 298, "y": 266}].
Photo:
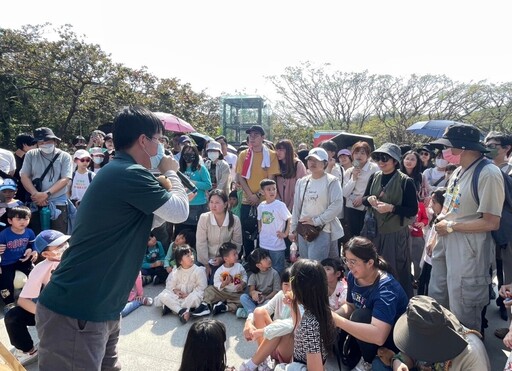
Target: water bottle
[
  {"x": 45, "y": 218},
  {"x": 293, "y": 252}
]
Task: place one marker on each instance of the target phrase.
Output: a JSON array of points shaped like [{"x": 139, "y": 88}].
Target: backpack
[
  {"x": 503, "y": 235},
  {"x": 89, "y": 175}
]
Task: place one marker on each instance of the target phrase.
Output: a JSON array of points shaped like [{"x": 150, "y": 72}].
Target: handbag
[
  {"x": 307, "y": 231},
  {"x": 38, "y": 182}
]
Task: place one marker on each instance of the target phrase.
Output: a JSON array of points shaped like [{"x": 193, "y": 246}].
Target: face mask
[
  {"x": 47, "y": 148},
  {"x": 189, "y": 157},
  {"x": 213, "y": 155},
  {"x": 451, "y": 158},
  {"x": 97, "y": 160},
  {"x": 57, "y": 254},
  {"x": 441, "y": 163},
  {"x": 492, "y": 153},
  {"x": 155, "y": 160}
]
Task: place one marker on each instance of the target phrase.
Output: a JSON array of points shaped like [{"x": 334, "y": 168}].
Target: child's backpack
[
  {"x": 89, "y": 175},
  {"x": 503, "y": 235}
]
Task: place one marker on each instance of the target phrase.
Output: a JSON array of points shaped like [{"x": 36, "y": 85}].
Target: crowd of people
[{"x": 397, "y": 246}]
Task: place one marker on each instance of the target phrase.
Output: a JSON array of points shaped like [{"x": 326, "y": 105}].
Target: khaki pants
[{"x": 213, "y": 295}]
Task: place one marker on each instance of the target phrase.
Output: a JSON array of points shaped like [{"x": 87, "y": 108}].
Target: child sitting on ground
[
  {"x": 185, "y": 237},
  {"x": 186, "y": 287},
  {"x": 208, "y": 336},
  {"x": 264, "y": 283},
  {"x": 51, "y": 244},
  {"x": 336, "y": 283},
  {"x": 136, "y": 298},
  {"x": 268, "y": 325},
  {"x": 274, "y": 220},
  {"x": 16, "y": 251},
  {"x": 153, "y": 265},
  {"x": 229, "y": 282}
]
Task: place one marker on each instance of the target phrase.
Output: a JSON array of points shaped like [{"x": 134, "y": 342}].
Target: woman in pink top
[{"x": 292, "y": 169}]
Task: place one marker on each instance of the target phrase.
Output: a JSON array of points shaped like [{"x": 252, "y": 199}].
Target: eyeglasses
[
  {"x": 153, "y": 139},
  {"x": 349, "y": 262},
  {"x": 424, "y": 154},
  {"x": 381, "y": 157},
  {"x": 84, "y": 159}
]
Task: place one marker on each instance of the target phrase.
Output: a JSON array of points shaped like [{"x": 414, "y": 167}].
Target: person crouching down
[{"x": 186, "y": 287}]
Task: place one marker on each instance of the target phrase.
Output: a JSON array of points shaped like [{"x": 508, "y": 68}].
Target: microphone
[{"x": 186, "y": 182}]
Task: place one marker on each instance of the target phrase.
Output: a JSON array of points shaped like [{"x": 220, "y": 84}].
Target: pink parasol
[{"x": 173, "y": 123}]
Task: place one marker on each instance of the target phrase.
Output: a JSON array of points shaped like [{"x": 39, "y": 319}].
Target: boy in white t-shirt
[
  {"x": 82, "y": 176},
  {"x": 50, "y": 244},
  {"x": 274, "y": 221}
]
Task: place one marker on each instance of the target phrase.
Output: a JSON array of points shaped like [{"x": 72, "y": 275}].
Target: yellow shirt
[{"x": 257, "y": 172}]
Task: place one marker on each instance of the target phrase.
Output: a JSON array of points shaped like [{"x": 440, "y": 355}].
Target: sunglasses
[
  {"x": 84, "y": 159},
  {"x": 424, "y": 154},
  {"x": 381, "y": 157}
]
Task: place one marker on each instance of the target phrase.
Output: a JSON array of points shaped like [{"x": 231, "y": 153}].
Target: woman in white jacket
[{"x": 214, "y": 228}]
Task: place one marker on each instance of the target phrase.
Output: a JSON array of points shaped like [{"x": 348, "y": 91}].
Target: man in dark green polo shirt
[{"x": 77, "y": 314}]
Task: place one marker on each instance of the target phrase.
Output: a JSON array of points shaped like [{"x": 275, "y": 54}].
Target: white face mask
[
  {"x": 47, "y": 148},
  {"x": 213, "y": 155},
  {"x": 97, "y": 160},
  {"x": 441, "y": 163}
]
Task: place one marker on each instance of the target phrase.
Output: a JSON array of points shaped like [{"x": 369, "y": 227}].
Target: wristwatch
[
  {"x": 449, "y": 227},
  {"x": 48, "y": 193}
]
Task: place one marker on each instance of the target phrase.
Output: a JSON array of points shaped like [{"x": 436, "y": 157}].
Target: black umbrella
[
  {"x": 346, "y": 140},
  {"x": 200, "y": 139}
]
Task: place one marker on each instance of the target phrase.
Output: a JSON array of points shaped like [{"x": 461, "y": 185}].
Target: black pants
[
  {"x": 7, "y": 279},
  {"x": 368, "y": 350},
  {"x": 160, "y": 272},
  {"x": 424, "y": 279},
  {"x": 355, "y": 220},
  {"x": 249, "y": 222},
  {"x": 17, "y": 321}
]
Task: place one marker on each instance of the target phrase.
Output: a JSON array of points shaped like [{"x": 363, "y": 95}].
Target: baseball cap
[
  {"x": 319, "y": 153},
  {"x": 9, "y": 184},
  {"x": 184, "y": 138},
  {"x": 257, "y": 128},
  {"x": 48, "y": 238},
  {"x": 81, "y": 153},
  {"x": 345, "y": 152}
]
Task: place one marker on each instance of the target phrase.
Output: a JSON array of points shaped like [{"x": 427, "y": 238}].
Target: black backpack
[{"x": 503, "y": 235}]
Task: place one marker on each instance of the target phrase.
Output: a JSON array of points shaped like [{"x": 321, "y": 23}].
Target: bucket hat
[
  {"x": 428, "y": 332},
  {"x": 462, "y": 136},
  {"x": 43, "y": 134},
  {"x": 390, "y": 149}
]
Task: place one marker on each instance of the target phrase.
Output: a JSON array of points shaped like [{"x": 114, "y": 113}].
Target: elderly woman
[
  {"x": 214, "y": 228},
  {"x": 317, "y": 202},
  {"x": 392, "y": 200},
  {"x": 375, "y": 301}
]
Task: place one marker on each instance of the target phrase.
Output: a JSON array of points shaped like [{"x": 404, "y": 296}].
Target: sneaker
[
  {"x": 156, "y": 280},
  {"x": 8, "y": 307},
  {"x": 25, "y": 358},
  {"x": 244, "y": 367},
  {"x": 267, "y": 364},
  {"x": 363, "y": 366},
  {"x": 201, "y": 310},
  {"x": 220, "y": 307},
  {"x": 184, "y": 315},
  {"x": 146, "y": 280},
  {"x": 241, "y": 313},
  {"x": 500, "y": 333},
  {"x": 165, "y": 310},
  {"x": 145, "y": 300}
]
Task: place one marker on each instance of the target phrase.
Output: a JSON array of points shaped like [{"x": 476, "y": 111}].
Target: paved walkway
[{"x": 152, "y": 342}]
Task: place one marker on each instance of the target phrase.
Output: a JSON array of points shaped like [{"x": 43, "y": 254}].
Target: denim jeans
[
  {"x": 247, "y": 302},
  {"x": 278, "y": 258},
  {"x": 130, "y": 307}
]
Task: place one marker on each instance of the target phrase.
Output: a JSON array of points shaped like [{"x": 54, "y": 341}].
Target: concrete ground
[{"x": 152, "y": 342}]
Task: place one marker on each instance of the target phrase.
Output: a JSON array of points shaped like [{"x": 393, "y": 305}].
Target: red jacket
[{"x": 420, "y": 218}]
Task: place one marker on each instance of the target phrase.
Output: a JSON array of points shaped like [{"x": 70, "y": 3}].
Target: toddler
[
  {"x": 185, "y": 289},
  {"x": 153, "y": 265},
  {"x": 336, "y": 283},
  {"x": 136, "y": 298},
  {"x": 185, "y": 237}
]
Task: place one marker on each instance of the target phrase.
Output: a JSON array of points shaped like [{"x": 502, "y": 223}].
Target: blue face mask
[{"x": 155, "y": 160}]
